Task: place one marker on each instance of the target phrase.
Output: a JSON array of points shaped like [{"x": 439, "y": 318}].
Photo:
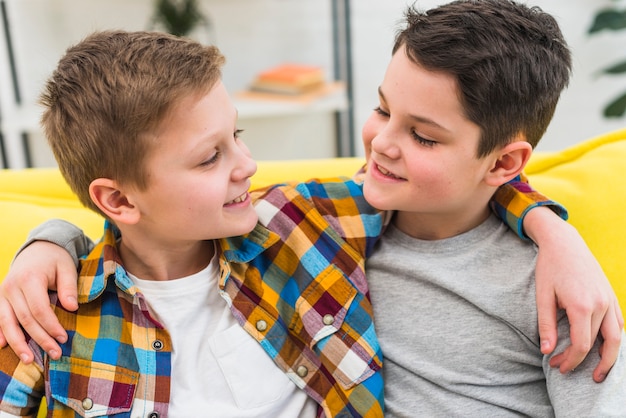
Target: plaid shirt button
[
  {"x": 87, "y": 404},
  {"x": 328, "y": 319},
  {"x": 302, "y": 371},
  {"x": 157, "y": 345},
  {"x": 261, "y": 325}
]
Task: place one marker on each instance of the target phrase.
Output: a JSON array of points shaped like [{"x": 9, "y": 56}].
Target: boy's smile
[
  {"x": 200, "y": 170},
  {"x": 199, "y": 176},
  {"x": 421, "y": 152}
]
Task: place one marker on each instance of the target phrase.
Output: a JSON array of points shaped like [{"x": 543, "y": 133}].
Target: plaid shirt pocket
[
  {"x": 91, "y": 389},
  {"x": 334, "y": 316}
]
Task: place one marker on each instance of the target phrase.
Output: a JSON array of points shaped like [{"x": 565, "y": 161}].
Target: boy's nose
[
  {"x": 386, "y": 143},
  {"x": 246, "y": 166}
]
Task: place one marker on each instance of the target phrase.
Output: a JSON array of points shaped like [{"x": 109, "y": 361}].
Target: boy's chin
[
  {"x": 245, "y": 225},
  {"x": 250, "y": 223},
  {"x": 375, "y": 199}
]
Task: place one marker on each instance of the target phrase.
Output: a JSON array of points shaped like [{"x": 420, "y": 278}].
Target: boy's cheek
[{"x": 368, "y": 134}]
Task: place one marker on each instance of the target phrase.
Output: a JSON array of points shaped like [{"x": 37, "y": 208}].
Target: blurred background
[{"x": 350, "y": 40}]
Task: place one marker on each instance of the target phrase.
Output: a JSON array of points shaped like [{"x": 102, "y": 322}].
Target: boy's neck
[
  {"x": 149, "y": 262},
  {"x": 436, "y": 226}
]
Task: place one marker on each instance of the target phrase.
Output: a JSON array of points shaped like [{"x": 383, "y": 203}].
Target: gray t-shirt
[{"x": 457, "y": 323}]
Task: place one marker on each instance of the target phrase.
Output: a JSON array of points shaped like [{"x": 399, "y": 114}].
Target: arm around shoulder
[{"x": 47, "y": 261}]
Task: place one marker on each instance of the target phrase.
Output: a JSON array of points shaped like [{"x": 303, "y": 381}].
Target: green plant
[
  {"x": 178, "y": 17},
  {"x": 614, "y": 20}
]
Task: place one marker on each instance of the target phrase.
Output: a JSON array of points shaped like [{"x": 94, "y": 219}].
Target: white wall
[{"x": 255, "y": 34}]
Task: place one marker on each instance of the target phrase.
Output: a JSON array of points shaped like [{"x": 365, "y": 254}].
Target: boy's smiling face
[
  {"x": 421, "y": 152},
  {"x": 198, "y": 173}
]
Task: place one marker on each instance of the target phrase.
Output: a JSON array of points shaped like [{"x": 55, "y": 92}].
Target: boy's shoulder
[
  {"x": 502, "y": 243},
  {"x": 329, "y": 187},
  {"x": 334, "y": 197}
]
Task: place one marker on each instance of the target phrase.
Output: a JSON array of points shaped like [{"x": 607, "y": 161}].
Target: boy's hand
[
  {"x": 569, "y": 277},
  {"x": 24, "y": 298}
]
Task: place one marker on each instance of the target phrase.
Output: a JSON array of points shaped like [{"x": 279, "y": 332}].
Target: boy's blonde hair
[{"x": 110, "y": 92}]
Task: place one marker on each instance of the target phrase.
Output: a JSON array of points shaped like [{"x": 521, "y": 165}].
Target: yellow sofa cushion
[{"x": 589, "y": 179}]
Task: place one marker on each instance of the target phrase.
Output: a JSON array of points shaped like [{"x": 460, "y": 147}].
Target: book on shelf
[{"x": 289, "y": 79}]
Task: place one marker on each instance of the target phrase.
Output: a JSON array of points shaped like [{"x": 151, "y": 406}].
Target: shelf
[
  {"x": 277, "y": 124},
  {"x": 251, "y": 104}
]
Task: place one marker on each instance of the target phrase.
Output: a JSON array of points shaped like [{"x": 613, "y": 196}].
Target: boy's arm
[
  {"x": 63, "y": 234},
  {"x": 47, "y": 260},
  {"x": 568, "y": 276},
  {"x": 568, "y": 273}
]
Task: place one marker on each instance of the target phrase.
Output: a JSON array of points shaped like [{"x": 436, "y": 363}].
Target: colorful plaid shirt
[{"x": 296, "y": 284}]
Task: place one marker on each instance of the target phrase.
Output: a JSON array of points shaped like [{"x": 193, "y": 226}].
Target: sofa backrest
[{"x": 589, "y": 179}]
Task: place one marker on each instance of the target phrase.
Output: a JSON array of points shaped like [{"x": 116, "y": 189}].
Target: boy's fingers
[
  {"x": 67, "y": 287},
  {"x": 39, "y": 320},
  {"x": 3, "y": 316},
  {"x": 546, "y": 316},
  {"x": 33, "y": 313},
  {"x": 611, "y": 330},
  {"x": 618, "y": 314},
  {"x": 24, "y": 297},
  {"x": 28, "y": 313},
  {"x": 584, "y": 328},
  {"x": 12, "y": 334}
]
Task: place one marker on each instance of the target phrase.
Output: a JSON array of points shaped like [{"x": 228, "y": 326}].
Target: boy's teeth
[
  {"x": 387, "y": 172},
  {"x": 239, "y": 199}
]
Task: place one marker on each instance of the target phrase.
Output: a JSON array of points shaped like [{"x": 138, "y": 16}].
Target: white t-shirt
[{"x": 218, "y": 370}]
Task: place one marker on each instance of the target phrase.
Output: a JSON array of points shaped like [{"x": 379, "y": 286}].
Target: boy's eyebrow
[{"x": 417, "y": 118}]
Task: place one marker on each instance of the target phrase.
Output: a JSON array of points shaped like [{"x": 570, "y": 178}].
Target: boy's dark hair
[
  {"x": 108, "y": 96},
  {"x": 510, "y": 61}
]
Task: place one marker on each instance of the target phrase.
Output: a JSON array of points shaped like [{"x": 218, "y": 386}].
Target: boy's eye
[
  {"x": 380, "y": 111},
  {"x": 211, "y": 160},
  {"x": 422, "y": 140},
  {"x": 237, "y": 133}
]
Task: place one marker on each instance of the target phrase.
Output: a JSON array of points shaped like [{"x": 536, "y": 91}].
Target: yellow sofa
[{"x": 589, "y": 179}]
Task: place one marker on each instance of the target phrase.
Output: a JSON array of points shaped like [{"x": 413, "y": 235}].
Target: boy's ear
[
  {"x": 510, "y": 161},
  {"x": 113, "y": 201}
]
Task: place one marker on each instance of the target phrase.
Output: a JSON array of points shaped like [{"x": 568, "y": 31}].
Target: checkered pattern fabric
[
  {"x": 512, "y": 202},
  {"x": 110, "y": 336},
  {"x": 296, "y": 284}
]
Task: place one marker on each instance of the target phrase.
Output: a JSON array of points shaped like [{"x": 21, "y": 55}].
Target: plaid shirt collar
[{"x": 100, "y": 266}]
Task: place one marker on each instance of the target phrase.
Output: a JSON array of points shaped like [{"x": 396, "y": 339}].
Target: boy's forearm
[
  {"x": 544, "y": 225},
  {"x": 63, "y": 234}
]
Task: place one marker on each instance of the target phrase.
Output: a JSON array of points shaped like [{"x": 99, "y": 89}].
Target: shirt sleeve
[
  {"x": 21, "y": 386},
  {"x": 513, "y": 200},
  {"x": 338, "y": 200},
  {"x": 63, "y": 234}
]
